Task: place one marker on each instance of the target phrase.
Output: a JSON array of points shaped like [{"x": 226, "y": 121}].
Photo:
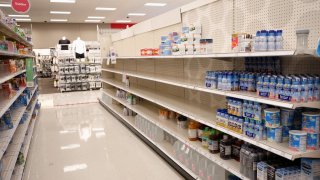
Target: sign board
[
  {"x": 20, "y": 6},
  {"x": 29, "y": 72}
]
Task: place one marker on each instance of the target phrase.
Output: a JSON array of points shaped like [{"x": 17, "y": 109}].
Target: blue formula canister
[
  {"x": 274, "y": 134},
  {"x": 298, "y": 140},
  {"x": 312, "y": 141},
  {"x": 285, "y": 133},
  {"x": 287, "y": 117},
  {"x": 272, "y": 117},
  {"x": 310, "y": 122}
]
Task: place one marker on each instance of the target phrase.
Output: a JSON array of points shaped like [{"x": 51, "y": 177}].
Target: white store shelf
[
  {"x": 18, "y": 170},
  {"x": 5, "y": 103},
  {"x": 5, "y": 30},
  {"x": 163, "y": 146},
  {"x": 217, "y": 55},
  {"x": 12, "y": 54},
  {"x": 10, "y": 158},
  {"x": 6, "y": 135},
  {"x": 180, "y": 82},
  {"x": 150, "y": 112},
  {"x": 5, "y": 76},
  {"x": 207, "y": 116}
]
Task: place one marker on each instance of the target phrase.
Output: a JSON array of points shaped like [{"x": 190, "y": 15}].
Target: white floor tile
[{"x": 85, "y": 142}]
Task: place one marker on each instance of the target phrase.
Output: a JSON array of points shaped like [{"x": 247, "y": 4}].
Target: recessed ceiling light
[
  {"x": 5, "y": 5},
  {"x": 92, "y": 20},
  {"x": 136, "y": 14},
  {"x": 23, "y": 19},
  {"x": 123, "y": 21},
  {"x": 96, "y": 17},
  {"x": 60, "y": 12},
  {"x": 58, "y": 20},
  {"x": 63, "y": 1},
  {"x": 18, "y": 15},
  {"x": 105, "y": 9},
  {"x": 155, "y": 4}
]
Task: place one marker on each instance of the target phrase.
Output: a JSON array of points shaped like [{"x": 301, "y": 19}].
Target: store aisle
[{"x": 84, "y": 141}]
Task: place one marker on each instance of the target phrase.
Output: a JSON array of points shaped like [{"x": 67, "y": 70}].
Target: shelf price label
[{"x": 20, "y": 6}]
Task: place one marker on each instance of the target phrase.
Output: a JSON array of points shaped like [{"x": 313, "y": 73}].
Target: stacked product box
[
  {"x": 190, "y": 42},
  {"x": 261, "y": 122}
]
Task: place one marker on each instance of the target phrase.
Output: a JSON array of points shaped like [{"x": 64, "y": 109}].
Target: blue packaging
[
  {"x": 265, "y": 87},
  {"x": 286, "y": 95},
  {"x": 312, "y": 141},
  {"x": 304, "y": 89},
  {"x": 316, "y": 92},
  {"x": 7, "y": 119},
  {"x": 272, "y": 117},
  {"x": 272, "y": 87},
  {"x": 310, "y": 88},
  {"x": 310, "y": 169},
  {"x": 285, "y": 133},
  {"x": 274, "y": 134},
  {"x": 296, "y": 89},
  {"x": 298, "y": 140},
  {"x": 310, "y": 122},
  {"x": 279, "y": 86},
  {"x": 287, "y": 117}
]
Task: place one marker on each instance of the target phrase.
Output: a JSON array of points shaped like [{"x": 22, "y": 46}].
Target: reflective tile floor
[{"x": 85, "y": 142}]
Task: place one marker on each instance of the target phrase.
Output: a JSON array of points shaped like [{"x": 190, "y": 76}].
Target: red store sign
[{"x": 20, "y": 6}]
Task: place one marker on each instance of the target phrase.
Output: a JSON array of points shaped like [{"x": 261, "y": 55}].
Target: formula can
[
  {"x": 285, "y": 133},
  {"x": 312, "y": 141},
  {"x": 272, "y": 117},
  {"x": 287, "y": 117},
  {"x": 274, "y": 134},
  {"x": 310, "y": 122},
  {"x": 298, "y": 140}
]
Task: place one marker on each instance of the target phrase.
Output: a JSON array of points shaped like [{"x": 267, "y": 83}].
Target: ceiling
[{"x": 40, "y": 9}]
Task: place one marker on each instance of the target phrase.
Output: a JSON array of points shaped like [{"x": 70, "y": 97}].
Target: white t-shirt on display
[{"x": 79, "y": 46}]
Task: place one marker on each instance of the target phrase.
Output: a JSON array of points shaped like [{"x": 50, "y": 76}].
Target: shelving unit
[
  {"x": 12, "y": 139},
  {"x": 11, "y": 54},
  {"x": 10, "y": 158},
  {"x": 195, "y": 85},
  {"x": 10, "y": 34},
  {"x": 217, "y": 55},
  {"x": 206, "y": 115},
  {"x": 150, "y": 112},
  {"x": 162, "y": 146},
  {"x": 5, "y": 103},
  {"x": 5, "y": 76},
  {"x": 7, "y": 135}
]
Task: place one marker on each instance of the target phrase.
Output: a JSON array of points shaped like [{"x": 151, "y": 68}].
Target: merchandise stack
[{"x": 78, "y": 74}]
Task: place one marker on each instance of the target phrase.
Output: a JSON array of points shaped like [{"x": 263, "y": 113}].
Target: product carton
[{"x": 310, "y": 169}]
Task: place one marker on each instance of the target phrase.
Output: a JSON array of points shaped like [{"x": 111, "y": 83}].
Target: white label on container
[
  {"x": 192, "y": 133},
  {"x": 227, "y": 150}
]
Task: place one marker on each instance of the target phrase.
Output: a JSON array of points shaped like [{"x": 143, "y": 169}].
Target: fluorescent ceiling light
[
  {"x": 60, "y": 12},
  {"x": 123, "y": 21},
  {"x": 58, "y": 20},
  {"x": 105, "y": 9},
  {"x": 23, "y": 19},
  {"x": 155, "y": 4},
  {"x": 5, "y": 5},
  {"x": 63, "y": 1},
  {"x": 136, "y": 14},
  {"x": 96, "y": 17},
  {"x": 18, "y": 15},
  {"x": 92, "y": 20}
]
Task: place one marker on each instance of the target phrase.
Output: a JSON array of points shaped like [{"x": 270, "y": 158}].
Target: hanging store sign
[{"x": 20, "y": 6}]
